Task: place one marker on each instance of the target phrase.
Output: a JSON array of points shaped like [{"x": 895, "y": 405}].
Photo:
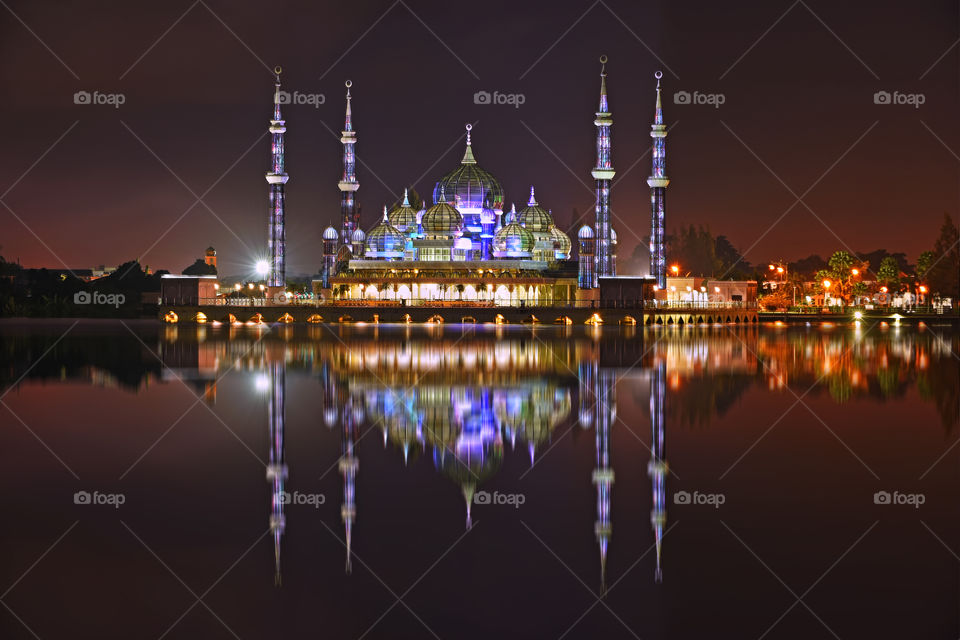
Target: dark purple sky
[{"x": 799, "y": 103}]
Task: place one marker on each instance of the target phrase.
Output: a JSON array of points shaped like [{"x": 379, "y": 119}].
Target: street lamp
[{"x": 826, "y": 291}]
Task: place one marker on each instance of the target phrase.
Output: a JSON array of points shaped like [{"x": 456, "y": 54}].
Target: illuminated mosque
[{"x": 467, "y": 246}]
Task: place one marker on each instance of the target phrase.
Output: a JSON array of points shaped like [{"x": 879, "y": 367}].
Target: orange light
[
  {"x": 675, "y": 269},
  {"x": 826, "y": 284},
  {"x": 771, "y": 267},
  {"x": 923, "y": 289},
  {"x": 779, "y": 269},
  {"x": 855, "y": 272},
  {"x": 883, "y": 289}
]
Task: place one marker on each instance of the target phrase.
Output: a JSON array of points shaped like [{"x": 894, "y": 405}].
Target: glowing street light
[
  {"x": 262, "y": 267},
  {"x": 675, "y": 269},
  {"x": 855, "y": 272}
]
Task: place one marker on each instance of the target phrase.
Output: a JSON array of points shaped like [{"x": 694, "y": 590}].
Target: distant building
[
  {"x": 188, "y": 290},
  {"x": 210, "y": 257}
]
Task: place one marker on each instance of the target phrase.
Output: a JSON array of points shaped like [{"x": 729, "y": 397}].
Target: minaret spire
[
  {"x": 658, "y": 182},
  {"x": 277, "y": 178},
  {"x": 277, "y": 468},
  {"x": 603, "y": 472},
  {"x": 468, "y": 153},
  {"x": 658, "y": 469},
  {"x": 603, "y": 173},
  {"x": 350, "y": 217},
  {"x": 348, "y": 468}
]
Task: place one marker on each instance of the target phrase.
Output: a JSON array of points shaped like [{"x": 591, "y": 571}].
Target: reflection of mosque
[{"x": 463, "y": 428}]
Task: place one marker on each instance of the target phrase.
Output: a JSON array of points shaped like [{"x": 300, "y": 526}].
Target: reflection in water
[{"x": 470, "y": 402}]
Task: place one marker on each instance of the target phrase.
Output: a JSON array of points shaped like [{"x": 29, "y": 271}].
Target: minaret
[
  {"x": 603, "y": 173},
  {"x": 277, "y": 469},
  {"x": 603, "y": 473},
  {"x": 348, "y": 184},
  {"x": 277, "y": 178},
  {"x": 348, "y": 468},
  {"x": 657, "y": 469},
  {"x": 658, "y": 182}
]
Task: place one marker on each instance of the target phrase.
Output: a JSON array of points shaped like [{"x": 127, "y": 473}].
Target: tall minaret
[
  {"x": 606, "y": 410},
  {"x": 658, "y": 182},
  {"x": 603, "y": 173},
  {"x": 277, "y": 178},
  {"x": 657, "y": 469},
  {"x": 348, "y": 184},
  {"x": 277, "y": 469}
]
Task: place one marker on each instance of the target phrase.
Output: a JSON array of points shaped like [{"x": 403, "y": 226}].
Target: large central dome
[{"x": 468, "y": 187}]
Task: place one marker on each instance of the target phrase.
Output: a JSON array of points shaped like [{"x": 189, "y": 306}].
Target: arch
[
  {"x": 345, "y": 319},
  {"x": 499, "y": 319},
  {"x": 315, "y": 318},
  {"x": 232, "y": 319},
  {"x": 200, "y": 318},
  {"x": 171, "y": 317},
  {"x": 468, "y": 320},
  {"x": 629, "y": 320},
  {"x": 659, "y": 320},
  {"x": 256, "y": 318},
  {"x": 407, "y": 318},
  {"x": 563, "y": 320},
  {"x": 531, "y": 319},
  {"x": 595, "y": 320},
  {"x": 285, "y": 318},
  {"x": 435, "y": 319}
]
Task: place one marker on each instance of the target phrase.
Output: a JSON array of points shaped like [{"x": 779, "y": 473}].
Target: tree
[
  {"x": 888, "y": 273},
  {"x": 944, "y": 273},
  {"x": 924, "y": 261},
  {"x": 200, "y": 268}
]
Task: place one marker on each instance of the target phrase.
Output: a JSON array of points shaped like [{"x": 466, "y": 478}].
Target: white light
[
  {"x": 263, "y": 267},
  {"x": 262, "y": 382}
]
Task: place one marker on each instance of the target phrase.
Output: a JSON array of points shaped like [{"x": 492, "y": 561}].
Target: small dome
[
  {"x": 613, "y": 236},
  {"x": 403, "y": 217},
  {"x": 511, "y": 216},
  {"x": 442, "y": 219},
  {"x": 384, "y": 241},
  {"x": 585, "y": 233},
  {"x": 512, "y": 241},
  {"x": 330, "y": 234},
  {"x": 534, "y": 217},
  {"x": 562, "y": 240},
  {"x": 358, "y": 236}
]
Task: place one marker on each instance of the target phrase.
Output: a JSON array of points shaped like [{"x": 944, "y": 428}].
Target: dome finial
[
  {"x": 468, "y": 154},
  {"x": 384, "y": 213},
  {"x": 533, "y": 200},
  {"x": 469, "y": 127},
  {"x": 443, "y": 196},
  {"x": 406, "y": 198}
]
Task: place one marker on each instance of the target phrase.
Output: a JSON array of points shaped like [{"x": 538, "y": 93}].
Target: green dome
[
  {"x": 385, "y": 241},
  {"x": 534, "y": 217},
  {"x": 403, "y": 217},
  {"x": 562, "y": 240},
  {"x": 512, "y": 240},
  {"x": 442, "y": 219},
  {"x": 469, "y": 186}
]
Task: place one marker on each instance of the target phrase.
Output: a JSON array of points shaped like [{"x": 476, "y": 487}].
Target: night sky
[{"x": 89, "y": 184}]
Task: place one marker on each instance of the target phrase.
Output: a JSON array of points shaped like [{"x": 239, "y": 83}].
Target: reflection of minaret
[
  {"x": 276, "y": 469},
  {"x": 348, "y": 467},
  {"x": 657, "y": 469},
  {"x": 277, "y": 178},
  {"x": 603, "y": 473}
]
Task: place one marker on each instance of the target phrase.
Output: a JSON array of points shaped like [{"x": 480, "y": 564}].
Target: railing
[{"x": 651, "y": 305}]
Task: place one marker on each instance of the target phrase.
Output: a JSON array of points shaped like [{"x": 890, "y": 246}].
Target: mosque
[{"x": 466, "y": 248}]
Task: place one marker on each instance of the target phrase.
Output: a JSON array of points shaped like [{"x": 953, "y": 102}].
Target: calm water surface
[{"x": 475, "y": 482}]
